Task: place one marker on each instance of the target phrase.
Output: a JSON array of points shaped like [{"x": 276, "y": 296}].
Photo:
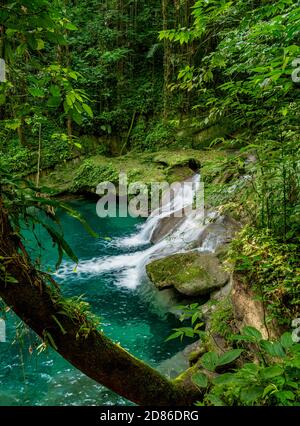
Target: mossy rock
[{"x": 192, "y": 273}]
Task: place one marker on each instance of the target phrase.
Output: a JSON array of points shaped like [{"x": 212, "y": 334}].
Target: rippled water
[{"x": 129, "y": 314}]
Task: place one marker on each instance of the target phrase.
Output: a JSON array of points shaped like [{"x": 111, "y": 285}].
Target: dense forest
[{"x": 165, "y": 91}]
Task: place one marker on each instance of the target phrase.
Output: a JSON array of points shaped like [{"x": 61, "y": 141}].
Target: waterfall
[{"x": 129, "y": 268}]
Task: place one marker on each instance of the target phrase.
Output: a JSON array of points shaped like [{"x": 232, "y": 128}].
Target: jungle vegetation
[{"x": 115, "y": 77}]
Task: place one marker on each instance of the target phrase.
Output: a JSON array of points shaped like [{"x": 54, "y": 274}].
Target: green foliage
[
  {"x": 245, "y": 76},
  {"x": 271, "y": 268},
  {"x": 221, "y": 318},
  {"x": 273, "y": 380},
  {"x": 89, "y": 175},
  {"x": 192, "y": 313},
  {"x": 211, "y": 360},
  {"x": 157, "y": 136}
]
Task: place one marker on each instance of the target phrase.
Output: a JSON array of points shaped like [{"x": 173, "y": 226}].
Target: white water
[{"x": 130, "y": 268}]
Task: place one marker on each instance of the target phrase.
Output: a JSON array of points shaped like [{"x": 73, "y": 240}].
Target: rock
[
  {"x": 192, "y": 273},
  {"x": 168, "y": 224},
  {"x": 218, "y": 234},
  {"x": 165, "y": 226},
  {"x": 250, "y": 311},
  {"x": 224, "y": 292}
]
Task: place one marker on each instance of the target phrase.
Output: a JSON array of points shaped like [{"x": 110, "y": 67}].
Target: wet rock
[
  {"x": 217, "y": 235},
  {"x": 164, "y": 227},
  {"x": 192, "y": 273}
]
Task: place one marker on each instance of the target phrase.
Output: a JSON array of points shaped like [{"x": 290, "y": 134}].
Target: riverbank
[{"x": 81, "y": 176}]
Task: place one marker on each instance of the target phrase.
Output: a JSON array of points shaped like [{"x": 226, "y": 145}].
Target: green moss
[
  {"x": 174, "y": 269},
  {"x": 191, "y": 273},
  {"x": 84, "y": 174},
  {"x": 271, "y": 269}
]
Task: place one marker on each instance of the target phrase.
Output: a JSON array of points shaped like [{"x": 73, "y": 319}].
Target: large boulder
[{"x": 192, "y": 273}]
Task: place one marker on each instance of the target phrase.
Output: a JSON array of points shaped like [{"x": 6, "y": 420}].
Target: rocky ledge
[{"x": 192, "y": 273}]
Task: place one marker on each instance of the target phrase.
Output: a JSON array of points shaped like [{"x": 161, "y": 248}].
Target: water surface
[{"x": 127, "y": 308}]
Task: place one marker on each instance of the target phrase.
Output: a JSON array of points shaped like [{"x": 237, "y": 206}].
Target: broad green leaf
[
  {"x": 274, "y": 349},
  {"x": 270, "y": 372},
  {"x": 54, "y": 101},
  {"x": 229, "y": 356},
  {"x": 215, "y": 400},
  {"x": 55, "y": 91},
  {"x": 252, "y": 333},
  {"x": 88, "y": 110},
  {"x": 251, "y": 393},
  {"x": 285, "y": 395},
  {"x": 224, "y": 379},
  {"x": 77, "y": 117},
  {"x": 286, "y": 340},
  {"x": 40, "y": 44},
  {"x": 200, "y": 380},
  {"x": 210, "y": 360},
  {"x": 71, "y": 27}
]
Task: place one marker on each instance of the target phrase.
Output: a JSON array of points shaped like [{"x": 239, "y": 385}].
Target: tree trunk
[{"x": 41, "y": 306}]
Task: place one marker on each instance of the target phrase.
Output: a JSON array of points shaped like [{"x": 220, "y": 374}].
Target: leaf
[
  {"x": 251, "y": 393},
  {"x": 40, "y": 44},
  {"x": 10, "y": 279},
  {"x": 36, "y": 92},
  {"x": 78, "y": 216},
  {"x": 88, "y": 110},
  {"x": 215, "y": 400},
  {"x": 71, "y": 27},
  {"x": 50, "y": 339},
  {"x": 54, "y": 101},
  {"x": 224, "y": 379},
  {"x": 252, "y": 333},
  {"x": 229, "y": 356},
  {"x": 77, "y": 117},
  {"x": 73, "y": 75},
  {"x": 200, "y": 380},
  {"x": 272, "y": 348},
  {"x": 269, "y": 389},
  {"x": 286, "y": 340},
  {"x": 210, "y": 360},
  {"x": 285, "y": 395},
  {"x": 61, "y": 243},
  {"x": 174, "y": 336},
  {"x": 270, "y": 372},
  {"x": 55, "y": 91}
]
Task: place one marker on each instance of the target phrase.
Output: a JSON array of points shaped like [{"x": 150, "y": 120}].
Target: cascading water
[
  {"x": 130, "y": 267},
  {"x": 108, "y": 275}
]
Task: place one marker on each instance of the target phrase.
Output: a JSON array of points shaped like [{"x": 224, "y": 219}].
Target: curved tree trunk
[{"x": 40, "y": 305}]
